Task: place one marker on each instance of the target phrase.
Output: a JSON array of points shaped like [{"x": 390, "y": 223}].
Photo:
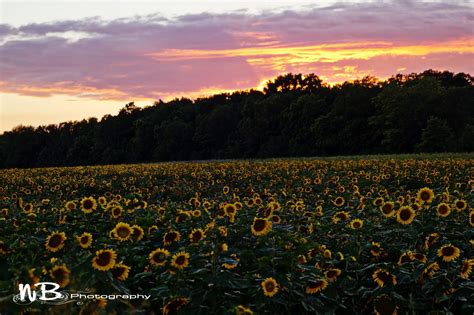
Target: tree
[{"x": 436, "y": 137}]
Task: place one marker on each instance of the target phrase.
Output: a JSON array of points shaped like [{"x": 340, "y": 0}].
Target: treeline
[{"x": 295, "y": 115}]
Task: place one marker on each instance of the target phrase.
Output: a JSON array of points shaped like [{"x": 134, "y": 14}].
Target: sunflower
[
  {"x": 332, "y": 274},
  {"x": 269, "y": 286},
  {"x": 60, "y": 275},
  {"x": 276, "y": 219},
  {"x": 430, "y": 240},
  {"x": 431, "y": 269},
  {"x": 196, "y": 235},
  {"x": 28, "y": 207},
  {"x": 341, "y": 215},
  {"x": 229, "y": 265},
  {"x": 443, "y": 209},
  {"x": 316, "y": 286},
  {"x": 138, "y": 233},
  {"x": 223, "y": 247},
  {"x": 375, "y": 249},
  {"x": 70, "y": 205},
  {"x": 158, "y": 257},
  {"x": 418, "y": 256},
  {"x": 84, "y": 240},
  {"x": 327, "y": 253},
  {"x": 104, "y": 259},
  {"x": 226, "y": 190},
  {"x": 357, "y": 224},
  {"x": 172, "y": 306},
  {"x": 230, "y": 209},
  {"x": 122, "y": 231},
  {"x": 242, "y": 310},
  {"x": 180, "y": 260},
  {"x": 416, "y": 206},
  {"x": 55, "y": 241},
  {"x": 102, "y": 201},
  {"x": 33, "y": 276},
  {"x": 339, "y": 201},
  {"x": 405, "y": 215},
  {"x": 466, "y": 268},
  {"x": 384, "y": 305},
  {"x": 102, "y": 303},
  {"x": 460, "y": 205},
  {"x": 383, "y": 277},
  {"x": 449, "y": 252},
  {"x": 425, "y": 195},
  {"x": 378, "y": 201},
  {"x": 116, "y": 211},
  {"x": 170, "y": 237},
  {"x": 340, "y": 256},
  {"x": 274, "y": 206},
  {"x": 249, "y": 202},
  {"x": 152, "y": 229},
  {"x": 3, "y": 248},
  {"x": 404, "y": 258},
  {"x": 261, "y": 226},
  {"x": 88, "y": 204},
  {"x": 319, "y": 211},
  {"x": 120, "y": 271},
  {"x": 471, "y": 217},
  {"x": 223, "y": 231},
  {"x": 388, "y": 209},
  {"x": 4, "y": 212}
]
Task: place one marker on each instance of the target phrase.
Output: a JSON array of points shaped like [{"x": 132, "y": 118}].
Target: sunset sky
[{"x": 68, "y": 60}]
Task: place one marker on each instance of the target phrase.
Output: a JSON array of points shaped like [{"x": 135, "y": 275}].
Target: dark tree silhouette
[{"x": 295, "y": 115}]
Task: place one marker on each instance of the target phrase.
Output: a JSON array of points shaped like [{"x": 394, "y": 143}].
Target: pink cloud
[{"x": 117, "y": 59}]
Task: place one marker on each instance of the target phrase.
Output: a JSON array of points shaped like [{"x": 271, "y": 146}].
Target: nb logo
[{"x": 44, "y": 292}]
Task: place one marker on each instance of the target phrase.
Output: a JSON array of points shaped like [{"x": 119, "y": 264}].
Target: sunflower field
[{"x": 299, "y": 236}]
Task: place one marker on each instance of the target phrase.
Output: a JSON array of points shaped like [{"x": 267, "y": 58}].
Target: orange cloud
[{"x": 298, "y": 55}]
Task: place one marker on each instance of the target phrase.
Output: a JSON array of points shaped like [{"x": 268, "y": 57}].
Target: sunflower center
[
  {"x": 405, "y": 215},
  {"x": 123, "y": 232},
  {"x": 159, "y": 257},
  {"x": 170, "y": 237},
  {"x": 443, "y": 209},
  {"x": 259, "y": 225},
  {"x": 404, "y": 259},
  {"x": 84, "y": 239},
  {"x": 196, "y": 236},
  {"x": 425, "y": 195},
  {"x": 59, "y": 273},
  {"x": 104, "y": 259},
  {"x": 87, "y": 204},
  {"x": 448, "y": 251},
  {"x": 118, "y": 271},
  {"x": 386, "y": 208},
  {"x": 384, "y": 276},
  {"x": 331, "y": 274},
  {"x": 180, "y": 260},
  {"x": 55, "y": 240},
  {"x": 270, "y": 286},
  {"x": 385, "y": 305},
  {"x": 137, "y": 232}
]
